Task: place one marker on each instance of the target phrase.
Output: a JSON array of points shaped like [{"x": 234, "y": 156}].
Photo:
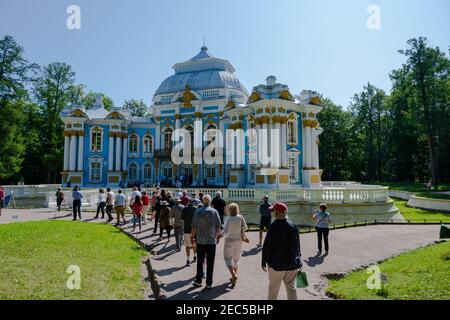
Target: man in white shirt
[
  {"x": 110, "y": 200},
  {"x": 133, "y": 195}
]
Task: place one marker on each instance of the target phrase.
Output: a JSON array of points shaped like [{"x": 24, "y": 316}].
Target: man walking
[
  {"x": 205, "y": 232},
  {"x": 77, "y": 196},
  {"x": 265, "y": 219},
  {"x": 187, "y": 216},
  {"x": 110, "y": 200},
  {"x": 121, "y": 203},
  {"x": 219, "y": 204},
  {"x": 281, "y": 253},
  {"x": 178, "y": 224}
]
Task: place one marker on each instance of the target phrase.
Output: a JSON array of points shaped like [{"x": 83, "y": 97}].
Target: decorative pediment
[
  {"x": 115, "y": 115},
  {"x": 78, "y": 113},
  {"x": 286, "y": 95},
  {"x": 230, "y": 105},
  {"x": 316, "y": 101},
  {"x": 294, "y": 150},
  {"x": 187, "y": 96},
  {"x": 255, "y": 96}
]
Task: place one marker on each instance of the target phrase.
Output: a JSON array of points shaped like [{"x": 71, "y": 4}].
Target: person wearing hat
[
  {"x": 323, "y": 219},
  {"x": 266, "y": 218},
  {"x": 164, "y": 220},
  {"x": 178, "y": 224},
  {"x": 76, "y": 205},
  {"x": 281, "y": 256}
]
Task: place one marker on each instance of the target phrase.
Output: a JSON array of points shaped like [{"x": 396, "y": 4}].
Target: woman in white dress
[{"x": 234, "y": 233}]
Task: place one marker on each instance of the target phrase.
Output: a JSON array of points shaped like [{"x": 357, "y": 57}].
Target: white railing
[
  {"x": 344, "y": 195},
  {"x": 30, "y": 191}
]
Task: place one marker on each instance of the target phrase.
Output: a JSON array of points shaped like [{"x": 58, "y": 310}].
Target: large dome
[{"x": 204, "y": 71}]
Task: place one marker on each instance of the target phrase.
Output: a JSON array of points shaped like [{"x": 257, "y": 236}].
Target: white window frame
[
  {"x": 130, "y": 178},
  {"x": 152, "y": 145},
  {"x": 295, "y": 158},
  {"x": 294, "y": 124},
  {"x": 170, "y": 142},
  {"x": 96, "y": 161},
  {"x": 91, "y": 136},
  {"x": 208, "y": 94},
  {"x": 134, "y": 153},
  {"x": 150, "y": 178}
]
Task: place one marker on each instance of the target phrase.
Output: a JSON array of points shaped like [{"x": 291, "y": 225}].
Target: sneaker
[
  {"x": 188, "y": 263},
  {"x": 195, "y": 259},
  {"x": 196, "y": 284},
  {"x": 259, "y": 245},
  {"x": 208, "y": 287}
]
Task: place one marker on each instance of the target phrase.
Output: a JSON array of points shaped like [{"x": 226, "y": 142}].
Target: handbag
[
  {"x": 301, "y": 281},
  {"x": 243, "y": 235}
]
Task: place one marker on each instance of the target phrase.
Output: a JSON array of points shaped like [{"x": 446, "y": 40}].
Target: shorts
[
  {"x": 120, "y": 210},
  {"x": 187, "y": 240},
  {"x": 264, "y": 223}
]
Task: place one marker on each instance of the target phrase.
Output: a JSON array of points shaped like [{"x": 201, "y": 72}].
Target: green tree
[
  {"x": 137, "y": 108},
  {"x": 15, "y": 73},
  {"x": 88, "y": 100},
  {"x": 429, "y": 70},
  {"x": 53, "y": 90}
]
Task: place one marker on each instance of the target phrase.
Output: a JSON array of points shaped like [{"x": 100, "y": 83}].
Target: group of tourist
[{"x": 201, "y": 222}]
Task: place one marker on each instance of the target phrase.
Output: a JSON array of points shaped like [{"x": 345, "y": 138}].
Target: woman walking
[
  {"x": 101, "y": 203},
  {"x": 164, "y": 220},
  {"x": 59, "y": 198},
  {"x": 323, "y": 219},
  {"x": 159, "y": 198},
  {"x": 137, "y": 208},
  {"x": 234, "y": 233},
  {"x": 146, "y": 204}
]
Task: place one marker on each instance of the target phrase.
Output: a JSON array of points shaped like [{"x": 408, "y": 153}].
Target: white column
[
  {"x": 124, "y": 153},
  {"x": 80, "y": 152},
  {"x": 111, "y": 154},
  {"x": 66, "y": 152},
  {"x": 277, "y": 126},
  {"x": 308, "y": 149},
  {"x": 118, "y": 153},
  {"x": 73, "y": 153},
  {"x": 283, "y": 145}
]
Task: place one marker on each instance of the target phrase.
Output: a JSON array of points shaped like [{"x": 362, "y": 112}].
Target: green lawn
[
  {"x": 433, "y": 195},
  {"x": 420, "y": 214},
  {"x": 422, "y": 274},
  {"x": 35, "y": 256},
  {"x": 413, "y": 186}
]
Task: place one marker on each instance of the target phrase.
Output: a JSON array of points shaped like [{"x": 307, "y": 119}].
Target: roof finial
[{"x": 204, "y": 48}]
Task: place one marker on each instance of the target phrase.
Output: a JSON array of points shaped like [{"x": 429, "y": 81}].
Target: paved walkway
[{"x": 350, "y": 249}]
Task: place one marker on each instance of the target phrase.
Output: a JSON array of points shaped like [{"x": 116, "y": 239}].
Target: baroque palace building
[{"x": 113, "y": 148}]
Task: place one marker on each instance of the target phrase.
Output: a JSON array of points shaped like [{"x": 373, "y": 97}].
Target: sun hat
[{"x": 279, "y": 206}]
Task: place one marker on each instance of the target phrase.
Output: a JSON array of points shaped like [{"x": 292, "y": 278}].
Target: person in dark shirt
[
  {"x": 265, "y": 219},
  {"x": 187, "y": 214},
  {"x": 219, "y": 204},
  {"x": 281, "y": 256}
]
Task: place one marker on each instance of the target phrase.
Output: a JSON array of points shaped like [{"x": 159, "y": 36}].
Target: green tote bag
[{"x": 302, "y": 280}]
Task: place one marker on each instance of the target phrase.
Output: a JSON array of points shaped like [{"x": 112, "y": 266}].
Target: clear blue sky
[{"x": 125, "y": 48}]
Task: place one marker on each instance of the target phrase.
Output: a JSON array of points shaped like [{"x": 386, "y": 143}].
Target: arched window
[
  {"x": 190, "y": 130},
  {"x": 211, "y": 135},
  {"x": 167, "y": 171},
  {"x": 96, "y": 139},
  {"x": 133, "y": 144},
  {"x": 148, "y": 144},
  {"x": 133, "y": 173},
  {"x": 168, "y": 138},
  {"x": 147, "y": 170},
  {"x": 292, "y": 130}
]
